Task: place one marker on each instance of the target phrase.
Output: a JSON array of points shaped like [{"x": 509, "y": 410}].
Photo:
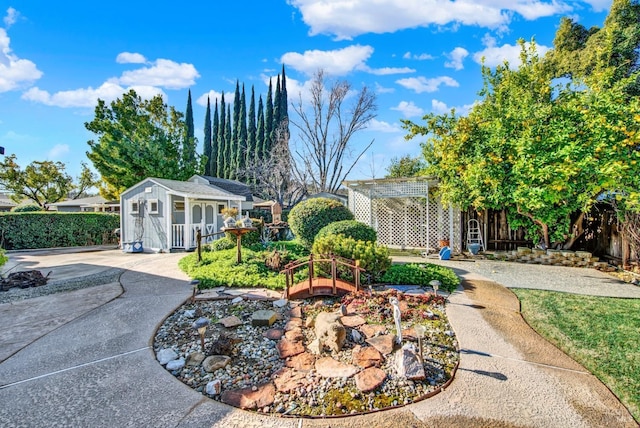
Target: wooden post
[
  {"x": 286, "y": 290},
  {"x": 199, "y": 244},
  {"x": 239, "y": 245},
  {"x": 356, "y": 275},
  {"x": 333, "y": 273},
  {"x": 311, "y": 274}
]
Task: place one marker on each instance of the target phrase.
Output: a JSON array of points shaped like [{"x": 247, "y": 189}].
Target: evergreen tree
[
  {"x": 206, "y": 149},
  {"x": 251, "y": 137},
  {"x": 268, "y": 124},
  {"x": 260, "y": 133},
  {"x": 189, "y": 142},
  {"x": 227, "y": 139},
  {"x": 276, "y": 107},
  {"x": 242, "y": 136},
  {"x": 213, "y": 168},
  {"x": 222, "y": 145},
  {"x": 284, "y": 104},
  {"x": 235, "y": 133}
]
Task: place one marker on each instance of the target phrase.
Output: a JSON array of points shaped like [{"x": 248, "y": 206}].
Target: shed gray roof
[
  {"x": 231, "y": 186},
  {"x": 192, "y": 189},
  {"x": 91, "y": 200}
]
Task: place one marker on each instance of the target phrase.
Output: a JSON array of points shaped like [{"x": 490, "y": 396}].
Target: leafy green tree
[
  {"x": 214, "y": 142},
  {"x": 43, "y": 182},
  {"x": 206, "y": 150},
  {"x": 539, "y": 149},
  {"x": 406, "y": 166},
  {"x": 137, "y": 139}
]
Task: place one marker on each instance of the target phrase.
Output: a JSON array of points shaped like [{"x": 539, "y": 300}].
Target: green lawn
[{"x": 603, "y": 334}]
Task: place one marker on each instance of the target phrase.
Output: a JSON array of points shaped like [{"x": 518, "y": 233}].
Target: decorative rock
[
  {"x": 370, "y": 379},
  {"x": 352, "y": 321},
  {"x": 343, "y": 310},
  {"x": 175, "y": 364},
  {"x": 214, "y": 387},
  {"x": 366, "y": 357},
  {"x": 286, "y": 380},
  {"x": 289, "y": 349},
  {"x": 191, "y": 313},
  {"x": 236, "y": 300},
  {"x": 294, "y": 335},
  {"x": 356, "y": 336},
  {"x": 195, "y": 358},
  {"x": 295, "y": 312},
  {"x": 215, "y": 362},
  {"x": 166, "y": 355},
  {"x": 328, "y": 367},
  {"x": 329, "y": 331},
  {"x": 273, "y": 333},
  {"x": 293, "y": 323},
  {"x": 372, "y": 330},
  {"x": 314, "y": 347},
  {"x": 302, "y": 362},
  {"x": 263, "y": 317},
  {"x": 247, "y": 398},
  {"x": 409, "y": 365},
  {"x": 281, "y": 303},
  {"x": 231, "y": 321},
  {"x": 383, "y": 343}
]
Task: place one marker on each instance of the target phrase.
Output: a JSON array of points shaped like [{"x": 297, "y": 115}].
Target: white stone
[
  {"x": 175, "y": 364},
  {"x": 280, "y": 303},
  {"x": 166, "y": 355},
  {"x": 191, "y": 313},
  {"x": 237, "y": 300},
  {"x": 214, "y": 387}
]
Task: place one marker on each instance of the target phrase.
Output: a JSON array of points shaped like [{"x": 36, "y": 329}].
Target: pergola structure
[{"x": 405, "y": 212}]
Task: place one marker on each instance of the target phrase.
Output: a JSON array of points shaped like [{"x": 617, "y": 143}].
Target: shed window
[
  {"x": 153, "y": 206},
  {"x": 178, "y": 206},
  {"x": 135, "y": 207}
]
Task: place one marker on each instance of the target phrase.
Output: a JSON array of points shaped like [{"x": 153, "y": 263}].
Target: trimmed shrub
[
  {"x": 27, "y": 208},
  {"x": 421, "y": 274},
  {"x": 224, "y": 243},
  {"x": 46, "y": 229},
  {"x": 349, "y": 228},
  {"x": 374, "y": 258},
  {"x": 308, "y": 217},
  {"x": 3, "y": 257}
]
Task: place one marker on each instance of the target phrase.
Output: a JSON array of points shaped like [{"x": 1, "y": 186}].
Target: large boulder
[{"x": 330, "y": 331}]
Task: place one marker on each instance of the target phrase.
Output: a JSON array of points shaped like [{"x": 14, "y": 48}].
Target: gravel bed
[{"x": 58, "y": 286}]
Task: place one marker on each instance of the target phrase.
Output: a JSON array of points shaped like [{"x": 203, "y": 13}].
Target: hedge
[
  {"x": 351, "y": 229},
  {"x": 30, "y": 230},
  {"x": 308, "y": 217}
]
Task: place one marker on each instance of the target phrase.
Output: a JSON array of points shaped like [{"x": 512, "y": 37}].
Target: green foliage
[
  {"x": 206, "y": 143},
  {"x": 27, "y": 208},
  {"x": 421, "y": 274},
  {"x": 224, "y": 243},
  {"x": 3, "y": 257},
  {"x": 349, "y": 228},
  {"x": 374, "y": 258},
  {"x": 51, "y": 229},
  {"x": 138, "y": 139},
  {"x": 406, "y": 166},
  {"x": 308, "y": 217},
  {"x": 249, "y": 238},
  {"x": 600, "y": 333},
  {"x": 219, "y": 268}
]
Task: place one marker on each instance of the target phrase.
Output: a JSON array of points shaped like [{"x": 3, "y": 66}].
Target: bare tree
[
  {"x": 277, "y": 177},
  {"x": 326, "y": 128}
]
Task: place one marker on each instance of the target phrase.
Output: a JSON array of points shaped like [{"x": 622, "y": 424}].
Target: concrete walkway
[{"x": 86, "y": 359}]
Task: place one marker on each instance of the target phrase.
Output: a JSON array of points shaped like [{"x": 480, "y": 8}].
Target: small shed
[
  {"x": 406, "y": 213},
  {"x": 88, "y": 204},
  {"x": 162, "y": 215}
]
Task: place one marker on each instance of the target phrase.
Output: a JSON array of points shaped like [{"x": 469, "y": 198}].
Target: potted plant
[{"x": 443, "y": 242}]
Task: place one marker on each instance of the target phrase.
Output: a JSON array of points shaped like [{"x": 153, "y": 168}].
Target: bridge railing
[{"x": 335, "y": 261}]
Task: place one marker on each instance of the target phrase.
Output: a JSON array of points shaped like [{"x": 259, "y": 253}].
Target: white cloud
[
  {"x": 345, "y": 19},
  {"x": 495, "y": 55},
  {"x": 385, "y": 71},
  {"x": 336, "y": 62},
  {"x": 456, "y": 58},
  {"x": 14, "y": 72},
  {"x": 11, "y": 17},
  {"x": 58, "y": 151},
  {"x": 422, "y": 84},
  {"x": 438, "y": 107},
  {"x": 88, "y": 97},
  {"x": 376, "y": 125},
  {"x": 599, "y": 5},
  {"x": 146, "y": 81},
  {"x": 382, "y": 90},
  {"x": 408, "y": 109},
  {"x": 130, "y": 58},
  {"x": 163, "y": 73},
  {"x": 213, "y": 96},
  {"x": 418, "y": 57}
]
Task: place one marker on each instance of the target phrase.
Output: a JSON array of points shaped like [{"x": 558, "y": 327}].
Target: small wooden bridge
[{"x": 320, "y": 286}]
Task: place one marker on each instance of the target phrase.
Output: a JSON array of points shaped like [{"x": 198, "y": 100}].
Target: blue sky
[{"x": 419, "y": 56}]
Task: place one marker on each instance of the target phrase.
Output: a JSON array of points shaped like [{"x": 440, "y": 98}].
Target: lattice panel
[{"x": 360, "y": 206}]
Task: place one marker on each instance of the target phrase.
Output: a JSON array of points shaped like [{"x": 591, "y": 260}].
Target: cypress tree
[
  {"x": 242, "y": 135},
  {"x": 189, "y": 145},
  {"x": 251, "y": 137},
  {"x": 258, "y": 155},
  {"x": 213, "y": 163},
  {"x": 206, "y": 149},
  {"x": 276, "y": 108},
  {"x": 222, "y": 146},
  {"x": 268, "y": 124},
  {"x": 227, "y": 139},
  {"x": 284, "y": 104},
  {"x": 235, "y": 132}
]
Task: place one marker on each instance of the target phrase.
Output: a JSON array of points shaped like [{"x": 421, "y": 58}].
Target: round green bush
[
  {"x": 27, "y": 208},
  {"x": 308, "y": 217},
  {"x": 350, "y": 228},
  {"x": 221, "y": 244}
]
